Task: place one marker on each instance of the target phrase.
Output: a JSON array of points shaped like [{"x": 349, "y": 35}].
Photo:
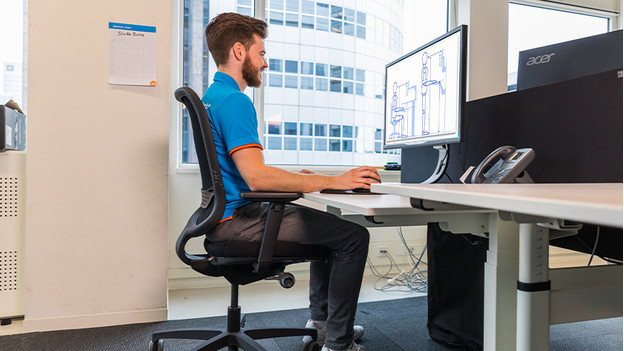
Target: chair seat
[
  {"x": 234, "y": 259},
  {"x": 284, "y": 250}
]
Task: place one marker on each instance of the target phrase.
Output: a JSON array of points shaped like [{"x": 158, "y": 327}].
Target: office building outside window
[{"x": 324, "y": 86}]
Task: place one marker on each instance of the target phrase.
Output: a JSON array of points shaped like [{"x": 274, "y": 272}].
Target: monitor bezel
[{"x": 456, "y": 137}]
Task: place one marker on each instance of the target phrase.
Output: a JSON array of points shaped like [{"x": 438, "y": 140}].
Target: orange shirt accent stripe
[
  {"x": 244, "y": 147},
  {"x": 225, "y": 219}
]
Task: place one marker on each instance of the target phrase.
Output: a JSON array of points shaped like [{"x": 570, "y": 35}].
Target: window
[
  {"x": 290, "y": 82},
  {"x": 307, "y": 68},
  {"x": 307, "y": 7},
  {"x": 320, "y": 130},
  {"x": 305, "y": 144},
  {"x": 274, "y": 143},
  {"x": 347, "y": 73},
  {"x": 317, "y": 96},
  {"x": 347, "y": 87},
  {"x": 306, "y": 129},
  {"x": 349, "y": 29},
  {"x": 532, "y": 26},
  {"x": 307, "y": 83},
  {"x": 290, "y": 128},
  {"x": 12, "y": 54},
  {"x": 335, "y": 71},
  {"x": 274, "y": 128},
  {"x": 320, "y": 144},
  {"x": 277, "y": 4},
  {"x": 361, "y": 32},
  {"x": 359, "y": 89},
  {"x": 290, "y": 143},
  {"x": 359, "y": 75},
  {"x": 322, "y": 9},
  {"x": 336, "y": 26},
  {"x": 291, "y": 66},
  {"x": 321, "y": 84},
  {"x": 361, "y": 18},
  {"x": 292, "y": 5},
  {"x": 275, "y": 65},
  {"x": 292, "y": 20},
  {"x": 322, "y": 24},
  {"x": 321, "y": 69},
  {"x": 349, "y": 15},
  {"x": 277, "y": 18},
  {"x": 347, "y": 145},
  {"x": 347, "y": 131},
  {"x": 307, "y": 22},
  {"x": 336, "y": 12},
  {"x": 275, "y": 80}
]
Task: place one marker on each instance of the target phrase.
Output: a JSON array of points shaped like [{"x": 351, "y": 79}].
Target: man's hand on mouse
[{"x": 361, "y": 177}]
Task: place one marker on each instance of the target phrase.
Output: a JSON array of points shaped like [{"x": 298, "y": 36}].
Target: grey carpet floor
[{"x": 396, "y": 325}]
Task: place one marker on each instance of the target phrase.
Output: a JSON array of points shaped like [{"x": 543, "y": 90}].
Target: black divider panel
[{"x": 575, "y": 128}]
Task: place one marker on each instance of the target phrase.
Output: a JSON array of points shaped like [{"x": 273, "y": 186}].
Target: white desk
[
  {"x": 507, "y": 215},
  {"x": 587, "y": 203}
]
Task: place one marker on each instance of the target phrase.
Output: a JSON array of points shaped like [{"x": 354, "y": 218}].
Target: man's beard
[{"x": 251, "y": 75}]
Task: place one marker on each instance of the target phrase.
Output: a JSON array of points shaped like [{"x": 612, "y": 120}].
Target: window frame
[{"x": 601, "y": 8}]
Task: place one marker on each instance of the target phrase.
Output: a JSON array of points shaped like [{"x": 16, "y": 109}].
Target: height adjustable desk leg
[
  {"x": 500, "y": 276},
  {"x": 533, "y": 289}
]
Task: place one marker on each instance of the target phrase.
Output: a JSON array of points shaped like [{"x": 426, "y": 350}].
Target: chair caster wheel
[
  {"x": 311, "y": 345},
  {"x": 286, "y": 280},
  {"x": 159, "y": 345}
]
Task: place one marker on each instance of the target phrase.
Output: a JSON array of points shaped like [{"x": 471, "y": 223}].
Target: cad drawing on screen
[{"x": 432, "y": 92}]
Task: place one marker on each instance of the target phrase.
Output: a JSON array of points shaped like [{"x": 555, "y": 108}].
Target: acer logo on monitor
[{"x": 536, "y": 60}]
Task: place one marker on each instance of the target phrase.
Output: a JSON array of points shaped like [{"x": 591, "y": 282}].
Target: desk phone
[{"x": 506, "y": 164}]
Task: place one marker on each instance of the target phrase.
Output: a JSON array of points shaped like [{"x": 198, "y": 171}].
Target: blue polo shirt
[{"x": 234, "y": 126}]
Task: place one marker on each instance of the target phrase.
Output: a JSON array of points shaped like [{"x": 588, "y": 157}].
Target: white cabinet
[{"x": 12, "y": 229}]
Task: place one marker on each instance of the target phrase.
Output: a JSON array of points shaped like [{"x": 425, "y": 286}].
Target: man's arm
[{"x": 259, "y": 176}]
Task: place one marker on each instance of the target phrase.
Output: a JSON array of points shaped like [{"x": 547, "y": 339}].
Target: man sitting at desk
[{"x": 236, "y": 43}]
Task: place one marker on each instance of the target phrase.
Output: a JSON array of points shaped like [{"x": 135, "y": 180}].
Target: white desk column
[
  {"x": 533, "y": 289},
  {"x": 500, "y": 276}
]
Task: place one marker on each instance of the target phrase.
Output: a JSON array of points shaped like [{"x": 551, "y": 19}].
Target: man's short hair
[{"x": 227, "y": 29}]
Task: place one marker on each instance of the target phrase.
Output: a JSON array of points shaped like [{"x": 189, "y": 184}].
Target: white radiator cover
[{"x": 12, "y": 230}]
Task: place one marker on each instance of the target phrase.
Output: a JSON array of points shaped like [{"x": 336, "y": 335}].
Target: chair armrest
[
  {"x": 272, "y": 224},
  {"x": 266, "y": 196}
]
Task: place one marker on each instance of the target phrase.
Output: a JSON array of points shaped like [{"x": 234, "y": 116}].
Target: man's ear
[{"x": 239, "y": 51}]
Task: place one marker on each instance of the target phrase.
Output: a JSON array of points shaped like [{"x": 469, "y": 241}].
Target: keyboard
[{"x": 347, "y": 192}]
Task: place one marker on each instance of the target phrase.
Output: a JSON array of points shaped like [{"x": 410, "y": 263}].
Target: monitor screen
[{"x": 426, "y": 93}]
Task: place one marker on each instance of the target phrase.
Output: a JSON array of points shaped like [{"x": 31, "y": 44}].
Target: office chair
[{"x": 239, "y": 262}]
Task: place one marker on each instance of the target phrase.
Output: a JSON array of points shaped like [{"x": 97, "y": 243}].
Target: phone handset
[{"x": 506, "y": 164}]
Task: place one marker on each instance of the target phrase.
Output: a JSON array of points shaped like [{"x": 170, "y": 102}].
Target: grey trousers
[{"x": 334, "y": 286}]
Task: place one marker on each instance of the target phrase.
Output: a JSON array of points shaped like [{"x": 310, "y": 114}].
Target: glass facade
[
  {"x": 334, "y": 87},
  {"x": 324, "y": 84}
]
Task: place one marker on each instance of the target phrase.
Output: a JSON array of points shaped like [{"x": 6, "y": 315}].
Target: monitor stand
[{"x": 438, "y": 172}]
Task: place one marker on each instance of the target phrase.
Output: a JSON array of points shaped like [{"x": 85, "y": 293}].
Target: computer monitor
[{"x": 425, "y": 97}]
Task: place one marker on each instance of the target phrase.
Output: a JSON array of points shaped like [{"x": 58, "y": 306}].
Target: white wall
[
  {"x": 96, "y": 202},
  {"x": 487, "y": 22}
]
